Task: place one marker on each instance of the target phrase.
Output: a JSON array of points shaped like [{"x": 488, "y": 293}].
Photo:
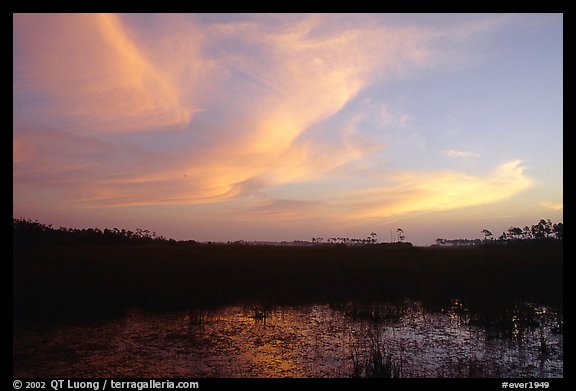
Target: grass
[{"x": 56, "y": 283}]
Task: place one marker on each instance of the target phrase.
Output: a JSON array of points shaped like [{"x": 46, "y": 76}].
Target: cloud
[
  {"x": 285, "y": 210},
  {"x": 22, "y": 150},
  {"x": 93, "y": 74},
  {"x": 42, "y": 152},
  {"x": 305, "y": 72},
  {"x": 198, "y": 112},
  {"x": 420, "y": 192},
  {"x": 243, "y": 94},
  {"x": 460, "y": 154},
  {"x": 552, "y": 205}
]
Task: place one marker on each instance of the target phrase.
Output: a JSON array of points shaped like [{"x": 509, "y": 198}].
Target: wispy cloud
[
  {"x": 250, "y": 114},
  {"x": 205, "y": 112},
  {"x": 93, "y": 74},
  {"x": 460, "y": 154},
  {"x": 552, "y": 205},
  {"x": 420, "y": 192}
]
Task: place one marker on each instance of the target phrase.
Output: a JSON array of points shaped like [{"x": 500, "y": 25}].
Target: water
[{"x": 373, "y": 339}]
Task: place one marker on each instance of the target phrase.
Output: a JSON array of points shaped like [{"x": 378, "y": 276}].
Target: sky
[{"x": 223, "y": 127}]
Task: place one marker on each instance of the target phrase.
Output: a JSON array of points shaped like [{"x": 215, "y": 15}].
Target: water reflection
[{"x": 369, "y": 339}]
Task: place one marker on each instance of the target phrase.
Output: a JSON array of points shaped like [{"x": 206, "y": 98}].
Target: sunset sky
[{"x": 288, "y": 126}]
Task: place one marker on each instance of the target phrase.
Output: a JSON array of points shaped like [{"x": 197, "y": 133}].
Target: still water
[{"x": 365, "y": 340}]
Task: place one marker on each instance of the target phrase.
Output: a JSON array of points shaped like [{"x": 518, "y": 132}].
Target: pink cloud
[{"x": 94, "y": 74}]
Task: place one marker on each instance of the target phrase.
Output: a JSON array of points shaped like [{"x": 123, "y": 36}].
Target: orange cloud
[
  {"x": 297, "y": 80},
  {"x": 243, "y": 97},
  {"x": 304, "y": 78},
  {"x": 102, "y": 78},
  {"x": 460, "y": 154},
  {"x": 95, "y": 74},
  {"x": 419, "y": 192},
  {"x": 552, "y": 205}
]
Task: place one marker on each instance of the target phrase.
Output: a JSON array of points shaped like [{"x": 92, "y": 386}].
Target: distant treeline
[
  {"x": 27, "y": 233},
  {"x": 369, "y": 240},
  {"x": 32, "y": 233},
  {"x": 540, "y": 234}
]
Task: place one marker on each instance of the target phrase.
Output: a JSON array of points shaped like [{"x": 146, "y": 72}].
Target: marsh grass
[
  {"x": 195, "y": 318},
  {"x": 369, "y": 356},
  {"x": 259, "y": 312},
  {"x": 512, "y": 322},
  {"x": 373, "y": 311},
  {"x": 56, "y": 283}
]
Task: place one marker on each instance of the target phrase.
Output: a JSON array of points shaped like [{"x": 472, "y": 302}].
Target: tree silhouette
[
  {"x": 487, "y": 234},
  {"x": 542, "y": 230},
  {"x": 526, "y": 232},
  {"x": 515, "y": 232},
  {"x": 32, "y": 233},
  {"x": 558, "y": 230},
  {"x": 401, "y": 235},
  {"x": 440, "y": 242}
]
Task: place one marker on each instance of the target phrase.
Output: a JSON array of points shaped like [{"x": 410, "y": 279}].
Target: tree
[
  {"x": 558, "y": 230},
  {"x": 440, "y": 242},
  {"x": 542, "y": 230},
  {"x": 547, "y": 227},
  {"x": 373, "y": 235},
  {"x": 515, "y": 232},
  {"x": 526, "y": 232},
  {"x": 401, "y": 236},
  {"x": 487, "y": 234}
]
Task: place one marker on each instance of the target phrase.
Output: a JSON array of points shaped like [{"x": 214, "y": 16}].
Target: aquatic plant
[{"x": 369, "y": 357}]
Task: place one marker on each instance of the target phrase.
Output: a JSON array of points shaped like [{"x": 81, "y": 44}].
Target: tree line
[
  {"x": 370, "y": 239},
  {"x": 537, "y": 234},
  {"x": 32, "y": 233},
  {"x": 544, "y": 229}
]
